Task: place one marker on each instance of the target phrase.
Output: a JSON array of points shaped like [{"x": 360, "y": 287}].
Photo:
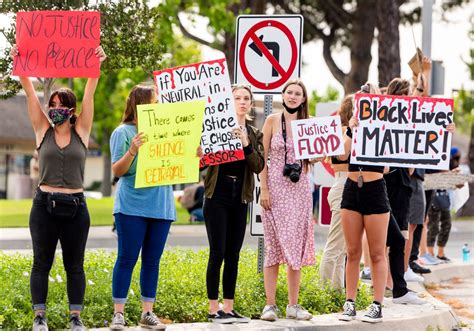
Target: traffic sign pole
[{"x": 267, "y": 110}]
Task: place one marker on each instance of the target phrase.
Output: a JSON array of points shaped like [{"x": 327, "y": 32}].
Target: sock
[
  {"x": 377, "y": 303},
  {"x": 350, "y": 300}
]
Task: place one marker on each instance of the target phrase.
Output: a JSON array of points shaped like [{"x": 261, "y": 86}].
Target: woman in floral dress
[{"x": 287, "y": 204}]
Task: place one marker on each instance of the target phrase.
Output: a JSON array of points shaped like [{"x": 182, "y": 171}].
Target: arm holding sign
[
  {"x": 121, "y": 167},
  {"x": 84, "y": 120},
  {"x": 38, "y": 118}
]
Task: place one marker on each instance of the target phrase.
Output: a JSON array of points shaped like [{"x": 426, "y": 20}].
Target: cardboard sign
[
  {"x": 402, "y": 131},
  {"x": 446, "y": 180},
  {"x": 209, "y": 81},
  {"x": 415, "y": 62},
  {"x": 317, "y": 136},
  {"x": 57, "y": 44},
  {"x": 172, "y": 137}
]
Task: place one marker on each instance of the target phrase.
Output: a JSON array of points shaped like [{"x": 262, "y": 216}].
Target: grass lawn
[{"x": 16, "y": 213}]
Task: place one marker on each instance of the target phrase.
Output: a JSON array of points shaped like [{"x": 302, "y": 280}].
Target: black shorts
[{"x": 370, "y": 199}]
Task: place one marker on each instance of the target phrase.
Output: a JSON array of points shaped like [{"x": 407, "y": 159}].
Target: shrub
[{"x": 181, "y": 293}]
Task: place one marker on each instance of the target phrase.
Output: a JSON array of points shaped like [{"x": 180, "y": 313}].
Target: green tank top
[{"x": 62, "y": 167}]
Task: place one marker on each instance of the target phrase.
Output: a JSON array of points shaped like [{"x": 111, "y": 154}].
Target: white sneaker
[
  {"x": 269, "y": 313},
  {"x": 429, "y": 259},
  {"x": 410, "y": 276},
  {"x": 297, "y": 312},
  {"x": 410, "y": 298}
]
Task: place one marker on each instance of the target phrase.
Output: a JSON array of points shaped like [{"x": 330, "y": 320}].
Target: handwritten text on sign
[
  {"x": 172, "y": 132},
  {"x": 402, "y": 131},
  {"x": 57, "y": 44},
  {"x": 209, "y": 81},
  {"x": 317, "y": 136}
]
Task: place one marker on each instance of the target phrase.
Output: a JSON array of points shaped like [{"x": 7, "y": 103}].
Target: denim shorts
[{"x": 370, "y": 199}]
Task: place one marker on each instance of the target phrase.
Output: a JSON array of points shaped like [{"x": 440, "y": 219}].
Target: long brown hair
[
  {"x": 345, "y": 109},
  {"x": 139, "y": 95},
  {"x": 303, "y": 113},
  {"x": 398, "y": 86}
]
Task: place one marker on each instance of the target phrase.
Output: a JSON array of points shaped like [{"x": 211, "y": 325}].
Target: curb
[{"x": 397, "y": 317}]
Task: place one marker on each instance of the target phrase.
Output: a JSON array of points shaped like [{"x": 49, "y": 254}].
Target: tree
[{"x": 221, "y": 15}]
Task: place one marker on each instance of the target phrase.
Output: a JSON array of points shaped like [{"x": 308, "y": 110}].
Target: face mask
[
  {"x": 60, "y": 115},
  {"x": 292, "y": 110}
]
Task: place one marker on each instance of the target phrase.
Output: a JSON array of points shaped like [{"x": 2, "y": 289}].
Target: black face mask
[{"x": 292, "y": 110}]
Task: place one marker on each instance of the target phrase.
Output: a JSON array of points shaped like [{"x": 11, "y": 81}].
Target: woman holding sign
[
  {"x": 59, "y": 210},
  {"x": 287, "y": 202},
  {"x": 142, "y": 216},
  {"x": 364, "y": 207},
  {"x": 228, "y": 190}
]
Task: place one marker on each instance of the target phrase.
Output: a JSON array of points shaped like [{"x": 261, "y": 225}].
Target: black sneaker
[
  {"x": 373, "y": 314},
  {"x": 75, "y": 323},
  {"x": 418, "y": 268},
  {"x": 239, "y": 318},
  {"x": 39, "y": 323},
  {"x": 443, "y": 258},
  {"x": 221, "y": 317},
  {"x": 349, "y": 312}
]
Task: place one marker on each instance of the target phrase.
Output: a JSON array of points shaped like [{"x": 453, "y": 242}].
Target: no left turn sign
[{"x": 268, "y": 51}]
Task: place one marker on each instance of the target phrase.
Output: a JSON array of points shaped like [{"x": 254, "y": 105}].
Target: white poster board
[
  {"x": 209, "y": 81},
  {"x": 401, "y": 131},
  {"x": 317, "y": 136}
]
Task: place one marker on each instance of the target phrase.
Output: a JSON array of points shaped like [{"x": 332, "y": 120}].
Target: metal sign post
[{"x": 267, "y": 55}]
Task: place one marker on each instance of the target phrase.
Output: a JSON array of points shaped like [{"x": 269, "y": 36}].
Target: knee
[
  {"x": 232, "y": 258},
  {"x": 126, "y": 262},
  {"x": 216, "y": 258},
  {"x": 377, "y": 257},
  {"x": 74, "y": 268},
  {"x": 354, "y": 253}
]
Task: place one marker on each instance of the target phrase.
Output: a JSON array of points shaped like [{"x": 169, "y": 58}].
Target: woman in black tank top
[
  {"x": 59, "y": 211},
  {"x": 364, "y": 206}
]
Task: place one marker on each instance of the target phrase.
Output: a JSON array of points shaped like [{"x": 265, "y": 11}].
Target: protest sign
[
  {"x": 172, "y": 134},
  {"x": 446, "y": 180},
  {"x": 402, "y": 131},
  {"x": 209, "y": 81},
  {"x": 57, "y": 44},
  {"x": 317, "y": 136}
]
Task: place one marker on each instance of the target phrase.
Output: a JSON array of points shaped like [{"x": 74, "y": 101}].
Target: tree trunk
[
  {"x": 362, "y": 37},
  {"x": 388, "y": 20},
  {"x": 106, "y": 186},
  {"x": 229, "y": 52},
  {"x": 47, "y": 84}
]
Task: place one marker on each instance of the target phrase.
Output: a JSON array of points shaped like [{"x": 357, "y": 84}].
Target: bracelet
[
  {"x": 419, "y": 89},
  {"x": 131, "y": 153}
]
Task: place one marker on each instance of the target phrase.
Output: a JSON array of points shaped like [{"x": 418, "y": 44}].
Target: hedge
[{"x": 181, "y": 293}]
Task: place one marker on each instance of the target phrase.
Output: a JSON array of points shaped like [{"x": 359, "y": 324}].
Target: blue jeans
[
  {"x": 137, "y": 233},
  {"x": 198, "y": 214}
]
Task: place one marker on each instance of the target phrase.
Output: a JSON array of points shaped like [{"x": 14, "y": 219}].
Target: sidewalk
[{"x": 435, "y": 314}]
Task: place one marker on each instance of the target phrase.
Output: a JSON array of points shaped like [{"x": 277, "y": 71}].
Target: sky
[{"x": 450, "y": 44}]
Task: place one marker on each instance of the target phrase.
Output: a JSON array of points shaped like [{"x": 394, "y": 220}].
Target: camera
[{"x": 293, "y": 171}]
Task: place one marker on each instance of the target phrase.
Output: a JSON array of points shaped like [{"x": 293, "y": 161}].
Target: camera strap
[{"x": 283, "y": 133}]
